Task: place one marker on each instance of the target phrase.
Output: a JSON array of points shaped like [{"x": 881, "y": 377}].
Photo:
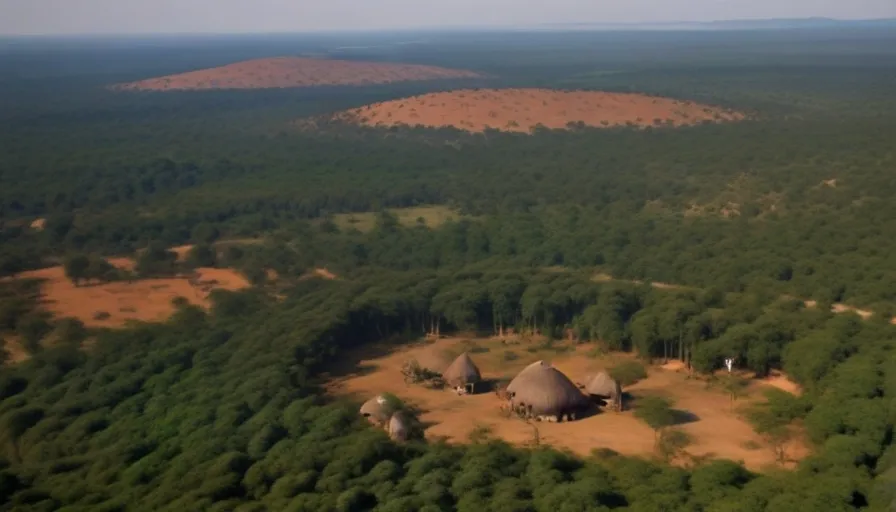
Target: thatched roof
[
  {"x": 545, "y": 389},
  {"x": 602, "y": 385},
  {"x": 462, "y": 371},
  {"x": 398, "y": 427},
  {"x": 376, "y": 409}
]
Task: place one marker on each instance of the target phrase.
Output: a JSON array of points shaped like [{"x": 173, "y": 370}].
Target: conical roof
[
  {"x": 462, "y": 371},
  {"x": 398, "y": 427},
  {"x": 601, "y": 384},
  {"x": 546, "y": 389},
  {"x": 376, "y": 409}
]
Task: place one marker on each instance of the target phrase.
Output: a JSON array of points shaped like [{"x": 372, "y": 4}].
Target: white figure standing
[{"x": 729, "y": 363}]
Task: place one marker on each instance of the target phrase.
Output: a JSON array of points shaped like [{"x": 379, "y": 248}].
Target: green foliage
[
  {"x": 202, "y": 255},
  {"x": 628, "y": 373},
  {"x": 156, "y": 260},
  {"x": 80, "y": 267},
  {"x": 221, "y": 410},
  {"x": 672, "y": 443},
  {"x": 656, "y": 411}
]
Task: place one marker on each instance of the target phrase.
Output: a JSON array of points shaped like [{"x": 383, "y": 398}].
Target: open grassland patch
[
  {"x": 114, "y": 304},
  {"x": 522, "y": 110},
  {"x": 715, "y": 424},
  {"x": 284, "y": 72},
  {"x": 429, "y": 216}
]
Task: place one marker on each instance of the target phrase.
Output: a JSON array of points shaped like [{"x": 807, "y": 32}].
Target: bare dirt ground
[
  {"x": 717, "y": 427},
  {"x": 146, "y": 300},
  {"x": 324, "y": 273},
  {"x": 282, "y": 72},
  {"x": 15, "y": 352},
  {"x": 520, "y": 110}
]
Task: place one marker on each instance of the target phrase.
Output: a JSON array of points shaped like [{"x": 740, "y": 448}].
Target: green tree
[
  {"x": 657, "y": 412},
  {"x": 201, "y": 255},
  {"x": 628, "y": 373},
  {"x": 76, "y": 268}
]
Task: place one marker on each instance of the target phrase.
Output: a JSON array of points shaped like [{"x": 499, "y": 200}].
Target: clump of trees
[{"x": 80, "y": 268}]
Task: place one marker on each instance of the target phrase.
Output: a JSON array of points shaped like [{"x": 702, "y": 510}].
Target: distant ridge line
[{"x": 737, "y": 24}]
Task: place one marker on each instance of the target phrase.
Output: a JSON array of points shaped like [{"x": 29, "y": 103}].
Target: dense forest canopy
[{"x": 223, "y": 410}]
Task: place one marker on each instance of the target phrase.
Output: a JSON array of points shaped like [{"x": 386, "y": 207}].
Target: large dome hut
[
  {"x": 398, "y": 428},
  {"x": 462, "y": 374},
  {"x": 604, "y": 387},
  {"x": 377, "y": 410},
  {"x": 544, "y": 392}
]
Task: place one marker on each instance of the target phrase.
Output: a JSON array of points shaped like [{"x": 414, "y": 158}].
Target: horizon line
[{"x": 446, "y": 28}]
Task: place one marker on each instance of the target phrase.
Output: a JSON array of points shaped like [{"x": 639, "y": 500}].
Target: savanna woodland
[{"x": 768, "y": 240}]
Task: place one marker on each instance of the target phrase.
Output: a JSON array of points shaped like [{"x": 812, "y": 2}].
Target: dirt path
[{"x": 602, "y": 277}]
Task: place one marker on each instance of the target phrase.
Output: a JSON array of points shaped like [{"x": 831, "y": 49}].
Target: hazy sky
[{"x": 156, "y": 16}]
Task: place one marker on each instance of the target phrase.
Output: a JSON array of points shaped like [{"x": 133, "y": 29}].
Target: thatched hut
[
  {"x": 543, "y": 392},
  {"x": 398, "y": 427},
  {"x": 605, "y": 388},
  {"x": 462, "y": 374},
  {"x": 377, "y": 410}
]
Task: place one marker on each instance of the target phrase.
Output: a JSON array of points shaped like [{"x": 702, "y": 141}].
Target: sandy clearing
[
  {"x": 846, "y": 308},
  {"x": 283, "y": 72},
  {"x": 146, "y": 300},
  {"x": 15, "y": 352},
  {"x": 778, "y": 380},
  {"x": 520, "y": 110},
  {"x": 324, "y": 273},
  {"x": 718, "y": 431}
]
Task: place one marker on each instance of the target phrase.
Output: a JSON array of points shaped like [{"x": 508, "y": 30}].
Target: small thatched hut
[
  {"x": 377, "y": 410},
  {"x": 398, "y": 427},
  {"x": 462, "y": 374},
  {"x": 604, "y": 387},
  {"x": 543, "y": 392}
]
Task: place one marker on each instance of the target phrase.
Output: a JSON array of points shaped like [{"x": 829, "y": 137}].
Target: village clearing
[{"x": 714, "y": 421}]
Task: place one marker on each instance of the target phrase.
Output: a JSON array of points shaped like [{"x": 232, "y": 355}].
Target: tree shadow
[
  {"x": 490, "y": 385},
  {"x": 679, "y": 416},
  {"x": 357, "y": 361},
  {"x": 682, "y": 417},
  {"x": 590, "y": 411}
]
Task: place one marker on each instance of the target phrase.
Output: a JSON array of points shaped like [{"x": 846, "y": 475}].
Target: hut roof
[
  {"x": 398, "y": 427},
  {"x": 462, "y": 371},
  {"x": 377, "y": 408},
  {"x": 546, "y": 389},
  {"x": 601, "y": 384}
]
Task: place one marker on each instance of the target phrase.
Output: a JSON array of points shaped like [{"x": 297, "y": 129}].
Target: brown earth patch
[
  {"x": 116, "y": 303},
  {"x": 324, "y": 273},
  {"x": 521, "y": 110},
  {"x": 283, "y": 72},
  {"x": 38, "y": 224},
  {"x": 779, "y": 380},
  {"x": 718, "y": 430},
  {"x": 15, "y": 351}
]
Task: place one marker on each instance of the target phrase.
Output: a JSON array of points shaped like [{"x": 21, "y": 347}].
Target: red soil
[
  {"x": 282, "y": 72},
  {"x": 146, "y": 300},
  {"x": 520, "y": 110}
]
